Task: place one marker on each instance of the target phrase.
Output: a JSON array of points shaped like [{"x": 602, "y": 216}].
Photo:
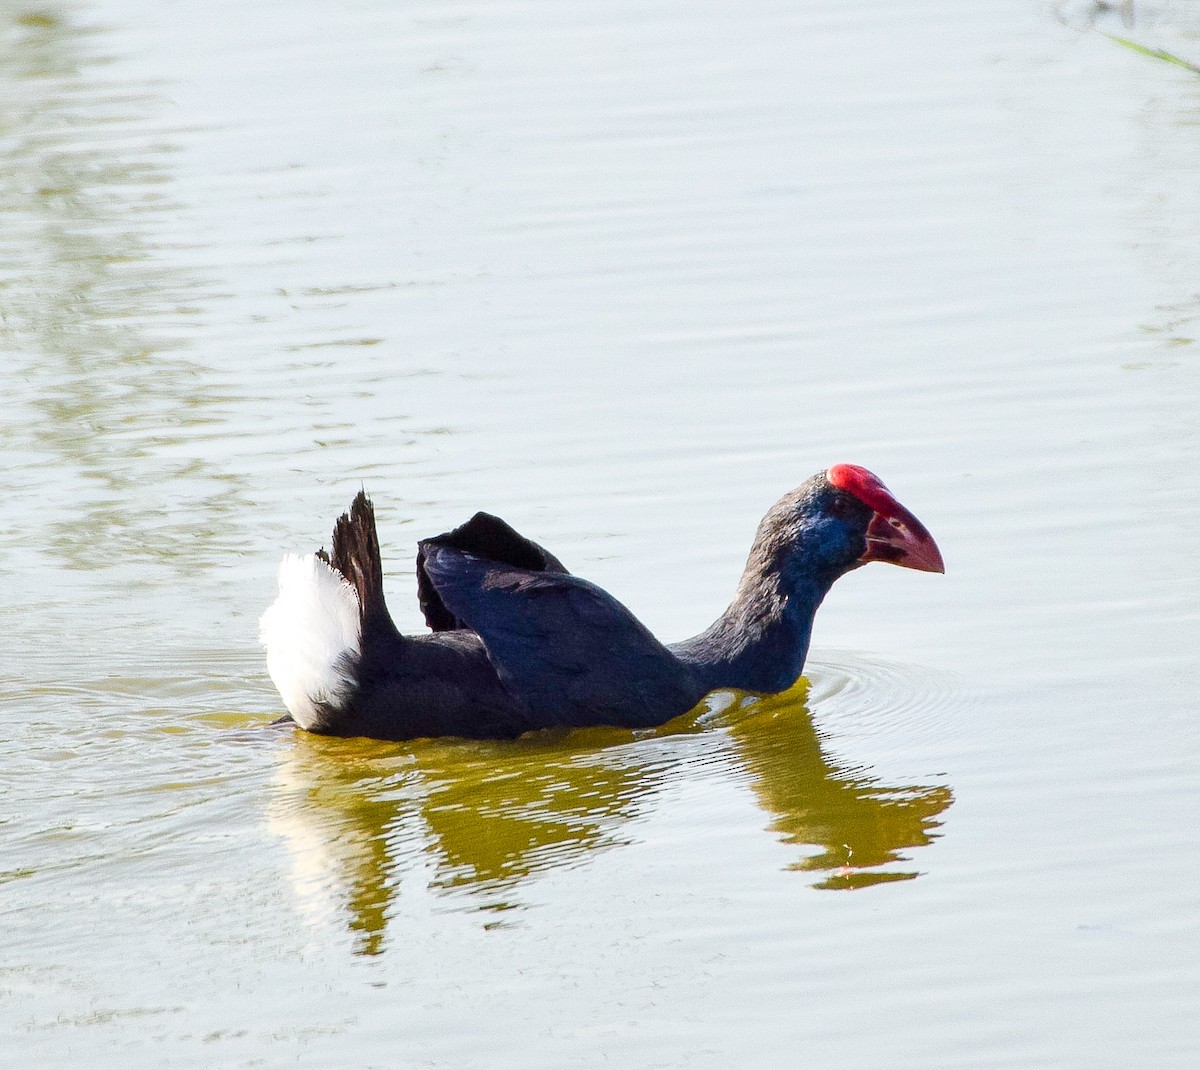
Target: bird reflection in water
[{"x": 368, "y": 823}]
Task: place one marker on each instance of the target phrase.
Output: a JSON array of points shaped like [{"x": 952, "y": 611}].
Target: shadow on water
[
  {"x": 97, "y": 304},
  {"x": 368, "y": 825}
]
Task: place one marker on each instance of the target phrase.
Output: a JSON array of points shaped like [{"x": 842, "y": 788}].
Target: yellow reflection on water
[
  {"x": 367, "y": 823},
  {"x": 857, "y": 822}
]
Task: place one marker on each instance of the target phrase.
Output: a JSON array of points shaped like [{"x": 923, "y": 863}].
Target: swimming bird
[{"x": 517, "y": 643}]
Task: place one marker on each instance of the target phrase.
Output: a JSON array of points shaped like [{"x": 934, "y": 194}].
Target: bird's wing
[
  {"x": 567, "y": 649},
  {"x": 484, "y": 536}
]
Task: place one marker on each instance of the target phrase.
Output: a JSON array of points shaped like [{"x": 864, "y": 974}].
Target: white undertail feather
[{"x": 311, "y": 634}]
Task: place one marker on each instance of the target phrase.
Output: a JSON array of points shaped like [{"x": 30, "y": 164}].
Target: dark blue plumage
[
  {"x": 568, "y": 650},
  {"x": 519, "y": 644}
]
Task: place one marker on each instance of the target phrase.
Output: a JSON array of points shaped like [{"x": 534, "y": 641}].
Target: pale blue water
[{"x": 623, "y": 274}]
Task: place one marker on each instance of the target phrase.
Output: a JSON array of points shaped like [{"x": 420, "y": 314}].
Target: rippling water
[{"x": 622, "y": 274}]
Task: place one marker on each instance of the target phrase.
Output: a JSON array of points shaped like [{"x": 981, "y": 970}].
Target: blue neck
[{"x": 760, "y": 642}]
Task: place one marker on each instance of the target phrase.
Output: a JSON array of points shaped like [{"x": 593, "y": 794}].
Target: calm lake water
[{"x": 623, "y": 273}]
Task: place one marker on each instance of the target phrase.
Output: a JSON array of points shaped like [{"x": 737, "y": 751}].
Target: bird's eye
[{"x": 839, "y": 506}]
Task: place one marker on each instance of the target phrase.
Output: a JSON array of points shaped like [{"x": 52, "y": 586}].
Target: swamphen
[{"x": 517, "y": 643}]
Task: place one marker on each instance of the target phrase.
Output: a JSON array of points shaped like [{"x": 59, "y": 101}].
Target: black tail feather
[{"x": 356, "y": 556}]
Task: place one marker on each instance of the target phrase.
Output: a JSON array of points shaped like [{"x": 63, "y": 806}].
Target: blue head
[{"x": 834, "y": 522}]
